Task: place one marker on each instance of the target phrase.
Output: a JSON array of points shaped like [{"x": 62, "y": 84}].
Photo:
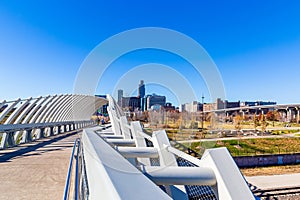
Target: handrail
[
  {"x": 68, "y": 179},
  {"x": 18, "y": 127},
  {"x": 77, "y": 171},
  {"x": 183, "y": 155},
  {"x": 108, "y": 172},
  {"x": 216, "y": 167},
  {"x": 148, "y": 137}
]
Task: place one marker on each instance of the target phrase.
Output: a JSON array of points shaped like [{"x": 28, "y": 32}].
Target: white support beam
[
  {"x": 17, "y": 112},
  {"x": 42, "y": 109},
  {"x": 68, "y": 114},
  {"x": 125, "y": 127},
  {"x": 138, "y": 152},
  {"x": 108, "y": 173},
  {"x": 136, "y": 128},
  {"x": 56, "y": 106},
  {"x": 109, "y": 136},
  {"x": 35, "y": 110},
  {"x": 167, "y": 159},
  {"x": 121, "y": 142},
  {"x": 60, "y": 109},
  {"x": 180, "y": 175},
  {"x": 8, "y": 109},
  {"x": 114, "y": 121},
  {"x": 26, "y": 110},
  {"x": 41, "y": 117},
  {"x": 230, "y": 182}
]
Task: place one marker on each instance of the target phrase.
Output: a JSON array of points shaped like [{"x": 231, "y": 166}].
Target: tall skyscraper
[
  {"x": 141, "y": 90},
  {"x": 120, "y": 95}
]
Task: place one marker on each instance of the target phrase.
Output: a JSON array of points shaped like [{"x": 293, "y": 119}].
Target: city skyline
[
  {"x": 254, "y": 45},
  {"x": 141, "y": 92}
]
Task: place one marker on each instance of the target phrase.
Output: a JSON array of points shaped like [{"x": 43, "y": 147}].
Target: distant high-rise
[
  {"x": 141, "y": 90},
  {"x": 120, "y": 95},
  {"x": 131, "y": 103},
  {"x": 155, "y": 100}
]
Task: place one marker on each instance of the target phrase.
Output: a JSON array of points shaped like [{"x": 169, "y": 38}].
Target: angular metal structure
[
  {"x": 24, "y": 120},
  {"x": 123, "y": 162}
]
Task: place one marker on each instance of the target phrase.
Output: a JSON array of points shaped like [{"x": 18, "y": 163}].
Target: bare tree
[
  {"x": 255, "y": 121},
  {"x": 264, "y": 123},
  {"x": 237, "y": 120}
]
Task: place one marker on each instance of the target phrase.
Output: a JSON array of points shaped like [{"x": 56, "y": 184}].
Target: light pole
[
  {"x": 298, "y": 114},
  {"x": 202, "y": 117}
]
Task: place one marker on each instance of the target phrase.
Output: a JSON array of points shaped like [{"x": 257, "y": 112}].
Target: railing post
[
  {"x": 11, "y": 140},
  {"x": 27, "y": 137},
  {"x": 51, "y": 131},
  {"x": 7, "y": 139},
  {"x": 160, "y": 140},
  {"x": 58, "y": 129},
  {"x": 139, "y": 140},
  {"x": 65, "y": 128},
  {"x": 298, "y": 115},
  {"x": 124, "y": 127},
  {"x": 42, "y": 133}
]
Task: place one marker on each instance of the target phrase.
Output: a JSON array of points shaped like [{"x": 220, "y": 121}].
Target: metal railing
[
  {"x": 122, "y": 162},
  {"x": 14, "y": 134},
  {"x": 216, "y": 170},
  {"x": 20, "y": 118},
  {"x": 69, "y": 175}
]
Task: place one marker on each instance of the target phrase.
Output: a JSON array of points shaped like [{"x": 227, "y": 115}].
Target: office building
[
  {"x": 120, "y": 95},
  {"x": 131, "y": 103},
  {"x": 155, "y": 100},
  {"x": 191, "y": 107},
  {"x": 169, "y": 107},
  {"x": 141, "y": 94},
  {"x": 141, "y": 89}
]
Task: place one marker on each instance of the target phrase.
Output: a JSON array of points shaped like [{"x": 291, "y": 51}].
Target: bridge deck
[{"x": 37, "y": 170}]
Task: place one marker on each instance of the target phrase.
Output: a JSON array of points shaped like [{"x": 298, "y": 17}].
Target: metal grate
[
  {"x": 84, "y": 188},
  {"x": 153, "y": 161},
  {"x": 194, "y": 191}
]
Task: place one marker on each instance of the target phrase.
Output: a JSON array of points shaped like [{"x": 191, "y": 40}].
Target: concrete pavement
[
  {"x": 275, "y": 181},
  {"x": 36, "y": 170}
]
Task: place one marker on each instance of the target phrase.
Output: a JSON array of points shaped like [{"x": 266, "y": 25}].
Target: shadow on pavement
[{"x": 20, "y": 151}]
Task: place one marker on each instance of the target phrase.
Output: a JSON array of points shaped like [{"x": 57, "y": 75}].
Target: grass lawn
[
  {"x": 251, "y": 146},
  {"x": 274, "y": 170}
]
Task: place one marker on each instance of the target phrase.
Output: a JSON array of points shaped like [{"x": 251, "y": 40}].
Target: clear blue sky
[{"x": 255, "y": 44}]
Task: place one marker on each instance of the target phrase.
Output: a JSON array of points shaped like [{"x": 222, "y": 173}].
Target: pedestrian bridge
[{"x": 51, "y": 149}]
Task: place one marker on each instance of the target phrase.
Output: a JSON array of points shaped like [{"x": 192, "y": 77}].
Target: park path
[
  {"x": 36, "y": 170},
  {"x": 275, "y": 181}
]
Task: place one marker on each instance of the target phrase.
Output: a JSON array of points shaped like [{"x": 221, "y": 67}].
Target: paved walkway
[
  {"x": 37, "y": 170},
  {"x": 275, "y": 181}
]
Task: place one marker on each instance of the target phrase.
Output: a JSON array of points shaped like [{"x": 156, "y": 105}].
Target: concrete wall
[{"x": 267, "y": 160}]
